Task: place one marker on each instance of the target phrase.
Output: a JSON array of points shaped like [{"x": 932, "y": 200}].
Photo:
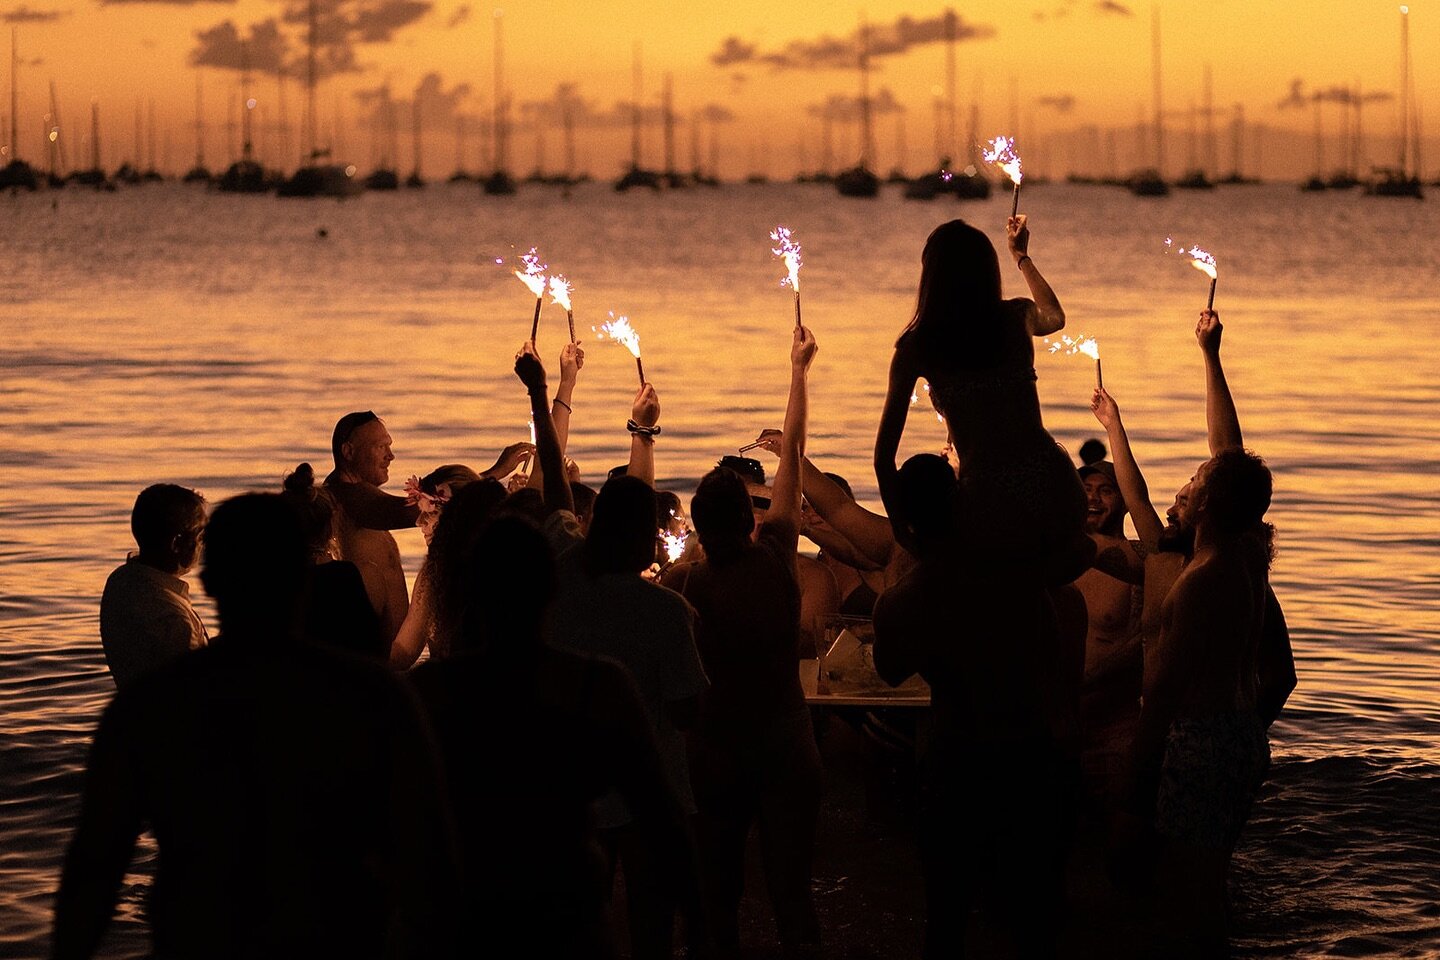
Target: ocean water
[{"x": 170, "y": 334}]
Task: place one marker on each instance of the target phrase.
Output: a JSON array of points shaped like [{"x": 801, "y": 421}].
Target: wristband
[
  {"x": 1021, "y": 262},
  {"x": 640, "y": 431},
  {"x": 567, "y": 406}
]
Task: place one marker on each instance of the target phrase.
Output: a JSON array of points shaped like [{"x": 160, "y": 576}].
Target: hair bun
[{"x": 301, "y": 480}]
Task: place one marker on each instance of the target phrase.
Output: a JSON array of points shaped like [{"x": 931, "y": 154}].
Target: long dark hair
[
  {"x": 461, "y": 523},
  {"x": 958, "y": 305}
]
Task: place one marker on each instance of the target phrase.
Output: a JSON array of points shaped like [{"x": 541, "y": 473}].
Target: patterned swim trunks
[{"x": 1212, "y": 771}]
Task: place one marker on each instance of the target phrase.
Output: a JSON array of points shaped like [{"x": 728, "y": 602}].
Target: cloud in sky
[
  {"x": 23, "y": 14},
  {"x": 845, "y": 108},
  {"x": 589, "y": 114},
  {"x": 829, "y": 52},
  {"x": 1110, "y": 6},
  {"x": 264, "y": 50},
  {"x": 1297, "y": 97},
  {"x": 168, "y": 3},
  {"x": 460, "y": 15}
]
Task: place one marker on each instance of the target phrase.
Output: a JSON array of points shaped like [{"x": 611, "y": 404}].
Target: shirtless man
[
  {"x": 1201, "y": 738},
  {"x": 362, "y": 449},
  {"x": 1110, "y": 695}
]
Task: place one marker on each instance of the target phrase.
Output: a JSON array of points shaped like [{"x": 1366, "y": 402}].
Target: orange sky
[{"x": 124, "y": 52}]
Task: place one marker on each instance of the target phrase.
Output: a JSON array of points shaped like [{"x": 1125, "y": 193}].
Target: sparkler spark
[
  {"x": 674, "y": 544},
  {"x": 789, "y": 251},
  {"x": 619, "y": 330},
  {"x": 1068, "y": 346},
  {"x": 533, "y": 275},
  {"x": 560, "y": 291},
  {"x": 1002, "y": 154},
  {"x": 1199, "y": 259}
]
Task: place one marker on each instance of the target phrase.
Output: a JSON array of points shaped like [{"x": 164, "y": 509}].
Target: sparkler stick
[
  {"x": 533, "y": 276},
  {"x": 751, "y": 446},
  {"x": 1002, "y": 154},
  {"x": 560, "y": 293},
  {"x": 619, "y": 330},
  {"x": 789, "y": 251},
  {"x": 1205, "y": 263}
]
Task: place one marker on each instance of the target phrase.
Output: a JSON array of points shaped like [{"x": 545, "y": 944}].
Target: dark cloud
[
  {"x": 1297, "y": 97},
  {"x": 828, "y": 52},
  {"x": 733, "y": 51},
  {"x": 1110, "y": 6},
  {"x": 460, "y": 15},
  {"x": 26, "y": 15},
  {"x": 168, "y": 3},
  {"x": 589, "y": 114},
  {"x": 265, "y": 50},
  {"x": 843, "y": 108},
  {"x": 1062, "y": 102},
  {"x": 340, "y": 27}
]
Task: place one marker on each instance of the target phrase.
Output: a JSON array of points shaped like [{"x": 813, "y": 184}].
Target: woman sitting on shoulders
[{"x": 1023, "y": 504}]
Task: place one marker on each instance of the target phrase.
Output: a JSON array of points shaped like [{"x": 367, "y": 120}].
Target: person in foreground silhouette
[
  {"x": 1023, "y": 503},
  {"x": 532, "y": 736},
  {"x": 753, "y": 755},
  {"x": 337, "y": 609},
  {"x": 1003, "y": 656},
  {"x": 292, "y": 790},
  {"x": 145, "y": 613}
]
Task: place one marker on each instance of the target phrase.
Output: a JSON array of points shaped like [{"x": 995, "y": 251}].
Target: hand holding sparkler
[
  {"x": 645, "y": 411},
  {"x": 572, "y": 361},
  {"x": 1208, "y": 332},
  {"x": 1017, "y": 235},
  {"x": 529, "y": 368},
  {"x": 802, "y": 348},
  {"x": 510, "y": 459},
  {"x": 1106, "y": 410},
  {"x": 769, "y": 440}
]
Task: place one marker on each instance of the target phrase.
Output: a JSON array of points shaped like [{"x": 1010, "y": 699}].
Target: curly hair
[{"x": 461, "y": 523}]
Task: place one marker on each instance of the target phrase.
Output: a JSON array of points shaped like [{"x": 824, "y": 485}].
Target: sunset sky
[{"x": 763, "y": 71}]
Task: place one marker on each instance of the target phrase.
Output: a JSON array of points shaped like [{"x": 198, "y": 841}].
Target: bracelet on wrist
[
  {"x": 1021, "y": 262},
  {"x": 568, "y": 408},
  {"x": 639, "y": 431}
]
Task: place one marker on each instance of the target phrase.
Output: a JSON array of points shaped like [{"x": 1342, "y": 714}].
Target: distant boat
[
  {"x": 244, "y": 175},
  {"x": 415, "y": 181},
  {"x": 1312, "y": 184},
  {"x": 1393, "y": 183},
  {"x": 18, "y": 175},
  {"x": 321, "y": 180},
  {"x": 499, "y": 183},
  {"x": 637, "y": 177},
  {"x": 858, "y": 181},
  {"x": 1148, "y": 183},
  {"x": 970, "y": 184},
  {"x": 382, "y": 179},
  {"x": 1342, "y": 180},
  {"x": 928, "y": 186},
  {"x": 1195, "y": 180}
]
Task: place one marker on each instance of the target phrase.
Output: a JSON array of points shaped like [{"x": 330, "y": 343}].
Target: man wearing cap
[{"x": 1110, "y": 694}]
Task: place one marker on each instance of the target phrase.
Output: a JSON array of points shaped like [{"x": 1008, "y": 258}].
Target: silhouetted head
[
  {"x": 509, "y": 580},
  {"x": 168, "y": 523},
  {"x": 584, "y": 497},
  {"x": 667, "y": 509},
  {"x": 752, "y": 470},
  {"x": 439, "y": 485},
  {"x": 1230, "y": 494},
  {"x": 1092, "y": 451},
  {"x": 257, "y": 561},
  {"x": 959, "y": 298},
  {"x": 527, "y": 502},
  {"x": 722, "y": 513},
  {"x": 315, "y": 506},
  {"x": 361, "y": 446},
  {"x": 927, "y": 488},
  {"x": 464, "y": 518},
  {"x": 622, "y": 531}
]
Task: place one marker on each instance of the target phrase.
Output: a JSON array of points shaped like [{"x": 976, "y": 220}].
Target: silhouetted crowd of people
[{"x": 577, "y": 687}]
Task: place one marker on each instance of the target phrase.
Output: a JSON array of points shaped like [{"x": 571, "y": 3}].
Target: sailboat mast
[
  {"x": 95, "y": 134},
  {"x": 1155, "y": 79},
  {"x": 499, "y": 119},
  {"x": 950, "y": 83},
  {"x": 415, "y": 120},
  {"x": 56, "y": 134},
  {"x": 669, "y": 126},
  {"x": 635, "y": 111},
  {"x": 567, "y": 120},
  {"x": 1211, "y": 161},
  {"x": 312, "y": 139},
  {"x": 866, "y": 145},
  {"x": 14, "y": 94},
  {"x": 199, "y": 120},
  {"x": 1404, "y": 91},
  {"x": 245, "y": 131}
]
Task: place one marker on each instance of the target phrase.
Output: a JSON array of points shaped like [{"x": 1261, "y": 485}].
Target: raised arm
[
  {"x": 903, "y": 375},
  {"x": 785, "y": 493},
  {"x": 645, "y": 414},
  {"x": 547, "y": 446},
  {"x": 1048, "y": 316},
  {"x": 1222, "y": 423},
  {"x": 1133, "y": 488},
  {"x": 572, "y": 359}
]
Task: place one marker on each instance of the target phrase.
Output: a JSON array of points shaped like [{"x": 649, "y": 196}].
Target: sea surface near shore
[{"x": 171, "y": 334}]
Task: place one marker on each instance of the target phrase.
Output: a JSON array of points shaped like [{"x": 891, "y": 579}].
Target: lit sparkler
[
  {"x": 789, "y": 251},
  {"x": 533, "y": 276},
  {"x": 1082, "y": 345},
  {"x": 620, "y": 331},
  {"x": 525, "y": 464},
  {"x": 1002, "y": 153},
  {"x": 1202, "y": 261},
  {"x": 674, "y": 544},
  {"x": 560, "y": 293}
]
